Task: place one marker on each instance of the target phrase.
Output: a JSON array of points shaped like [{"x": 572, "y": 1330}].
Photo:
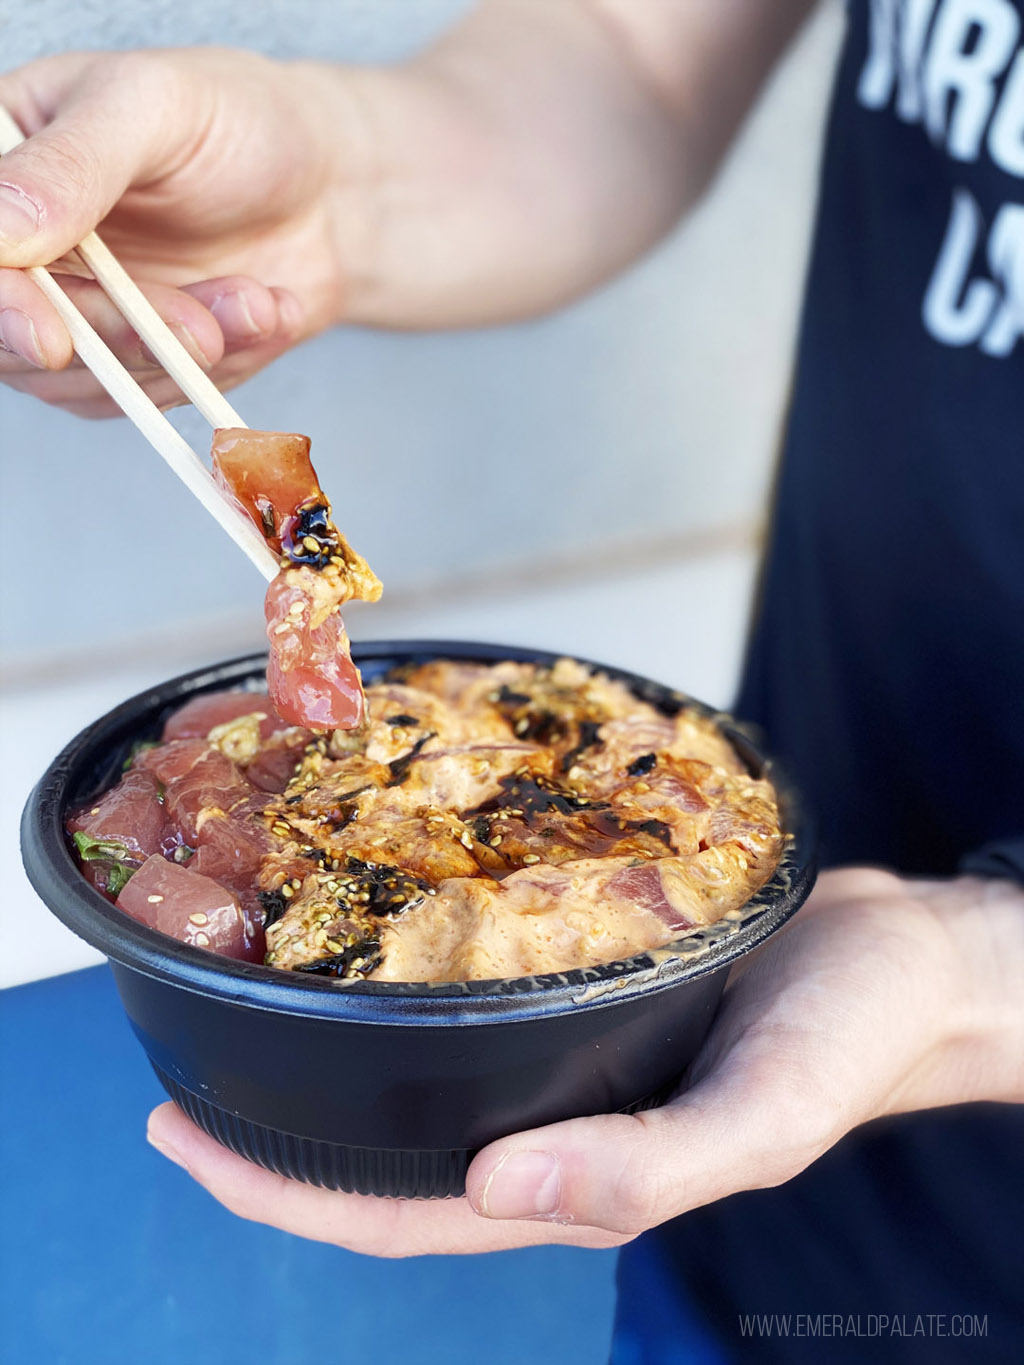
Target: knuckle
[
  {"x": 65, "y": 161},
  {"x": 639, "y": 1199},
  {"x": 149, "y": 69},
  {"x": 809, "y": 1120}
]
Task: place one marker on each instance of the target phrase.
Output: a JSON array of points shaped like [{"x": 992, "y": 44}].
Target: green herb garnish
[
  {"x": 119, "y": 878},
  {"x": 92, "y": 850},
  {"x": 110, "y": 851},
  {"x": 139, "y": 747}
]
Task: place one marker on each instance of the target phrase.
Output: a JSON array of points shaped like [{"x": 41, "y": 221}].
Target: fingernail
[
  {"x": 18, "y": 334},
  {"x": 232, "y": 312},
  {"x": 523, "y": 1185},
  {"x": 19, "y": 215},
  {"x": 166, "y": 1150}
]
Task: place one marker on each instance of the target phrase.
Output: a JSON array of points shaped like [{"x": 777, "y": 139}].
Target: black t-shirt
[{"x": 887, "y": 661}]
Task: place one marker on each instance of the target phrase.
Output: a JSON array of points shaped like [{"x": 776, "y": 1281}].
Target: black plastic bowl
[{"x": 384, "y": 1087}]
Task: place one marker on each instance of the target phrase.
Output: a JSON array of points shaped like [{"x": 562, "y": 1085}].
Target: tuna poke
[
  {"x": 465, "y": 821},
  {"x": 311, "y": 676}
]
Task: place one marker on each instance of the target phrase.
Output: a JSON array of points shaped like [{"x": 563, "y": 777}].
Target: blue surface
[{"x": 110, "y": 1255}]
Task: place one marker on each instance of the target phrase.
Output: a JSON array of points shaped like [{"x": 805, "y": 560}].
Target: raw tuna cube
[{"x": 188, "y": 906}]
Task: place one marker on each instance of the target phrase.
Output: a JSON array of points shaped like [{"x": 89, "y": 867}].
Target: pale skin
[{"x": 533, "y": 153}]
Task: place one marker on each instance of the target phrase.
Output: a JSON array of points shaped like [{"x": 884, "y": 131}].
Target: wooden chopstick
[{"x": 96, "y": 355}]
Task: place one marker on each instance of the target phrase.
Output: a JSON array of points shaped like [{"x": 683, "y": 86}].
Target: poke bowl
[{"x": 389, "y": 1087}]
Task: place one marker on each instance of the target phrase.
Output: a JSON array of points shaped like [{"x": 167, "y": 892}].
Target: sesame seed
[
  {"x": 531, "y": 858},
  {"x": 311, "y": 545},
  {"x": 202, "y": 940},
  {"x": 154, "y": 900},
  {"x": 335, "y": 946},
  {"x": 287, "y": 892},
  {"x": 199, "y": 918},
  {"x": 466, "y": 839}
]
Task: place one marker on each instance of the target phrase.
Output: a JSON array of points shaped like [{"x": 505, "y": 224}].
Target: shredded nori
[
  {"x": 274, "y": 906},
  {"x": 506, "y": 697},
  {"x": 399, "y": 767},
  {"x": 312, "y": 521},
  {"x": 338, "y": 964},
  {"x": 482, "y": 830},
  {"x": 403, "y": 720},
  {"x": 657, "y": 829},
  {"x": 533, "y": 794},
  {"x": 642, "y": 765},
  {"x": 391, "y": 889},
  {"x": 356, "y": 791},
  {"x": 588, "y": 740}
]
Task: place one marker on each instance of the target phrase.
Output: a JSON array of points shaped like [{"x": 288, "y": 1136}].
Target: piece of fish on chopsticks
[{"x": 311, "y": 677}]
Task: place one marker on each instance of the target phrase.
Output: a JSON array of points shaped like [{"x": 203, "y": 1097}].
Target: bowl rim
[{"x": 56, "y": 877}]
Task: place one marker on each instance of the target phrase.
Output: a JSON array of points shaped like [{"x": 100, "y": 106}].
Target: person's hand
[
  {"x": 881, "y": 996},
  {"x": 212, "y": 176},
  {"x": 530, "y": 154}
]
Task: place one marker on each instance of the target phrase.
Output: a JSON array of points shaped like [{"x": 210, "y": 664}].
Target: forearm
[{"x": 535, "y": 151}]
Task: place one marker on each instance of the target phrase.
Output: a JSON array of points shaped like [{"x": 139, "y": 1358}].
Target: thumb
[
  {"x": 112, "y": 127},
  {"x": 627, "y": 1173}
]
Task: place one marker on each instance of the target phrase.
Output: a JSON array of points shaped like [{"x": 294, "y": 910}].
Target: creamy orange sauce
[{"x": 509, "y": 820}]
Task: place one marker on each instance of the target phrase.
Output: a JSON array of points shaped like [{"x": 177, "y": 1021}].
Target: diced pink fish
[
  {"x": 130, "y": 813},
  {"x": 197, "y": 777},
  {"x": 199, "y": 716},
  {"x": 229, "y": 849},
  {"x": 311, "y": 677},
  {"x": 273, "y": 768},
  {"x": 189, "y": 907},
  {"x": 170, "y": 761}
]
